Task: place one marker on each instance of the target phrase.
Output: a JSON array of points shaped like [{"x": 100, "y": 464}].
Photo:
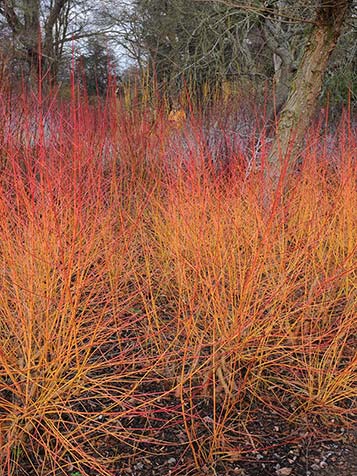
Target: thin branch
[
  {"x": 265, "y": 12},
  {"x": 11, "y": 17}
]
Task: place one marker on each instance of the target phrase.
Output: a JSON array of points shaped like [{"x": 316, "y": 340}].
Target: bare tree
[
  {"x": 304, "y": 91},
  {"x": 182, "y": 41},
  {"x": 40, "y": 30},
  {"x": 284, "y": 39},
  {"x": 298, "y": 80},
  {"x": 24, "y": 19}
]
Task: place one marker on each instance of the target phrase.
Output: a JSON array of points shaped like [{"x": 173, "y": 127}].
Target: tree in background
[
  {"x": 198, "y": 43},
  {"x": 29, "y": 21},
  {"x": 340, "y": 83},
  {"x": 213, "y": 38},
  {"x": 204, "y": 42},
  {"x": 96, "y": 64},
  {"x": 306, "y": 86},
  {"x": 186, "y": 42},
  {"x": 40, "y": 30}
]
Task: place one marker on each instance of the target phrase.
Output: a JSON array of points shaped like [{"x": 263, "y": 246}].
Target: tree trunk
[
  {"x": 300, "y": 105},
  {"x": 30, "y": 36},
  {"x": 41, "y": 52},
  {"x": 278, "y": 41},
  {"x": 52, "y": 43}
]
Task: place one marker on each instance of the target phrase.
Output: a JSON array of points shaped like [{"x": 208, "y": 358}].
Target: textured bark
[
  {"x": 30, "y": 34},
  {"x": 300, "y": 105},
  {"x": 278, "y": 41},
  {"x": 40, "y": 51},
  {"x": 51, "y": 45}
]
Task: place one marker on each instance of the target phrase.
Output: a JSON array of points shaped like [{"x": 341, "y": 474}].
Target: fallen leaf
[{"x": 284, "y": 471}]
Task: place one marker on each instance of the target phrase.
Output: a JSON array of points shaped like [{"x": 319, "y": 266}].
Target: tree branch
[
  {"x": 263, "y": 11},
  {"x": 54, "y": 14},
  {"x": 8, "y": 11}
]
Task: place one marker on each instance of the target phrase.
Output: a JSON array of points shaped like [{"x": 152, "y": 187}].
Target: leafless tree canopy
[{"x": 180, "y": 42}]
